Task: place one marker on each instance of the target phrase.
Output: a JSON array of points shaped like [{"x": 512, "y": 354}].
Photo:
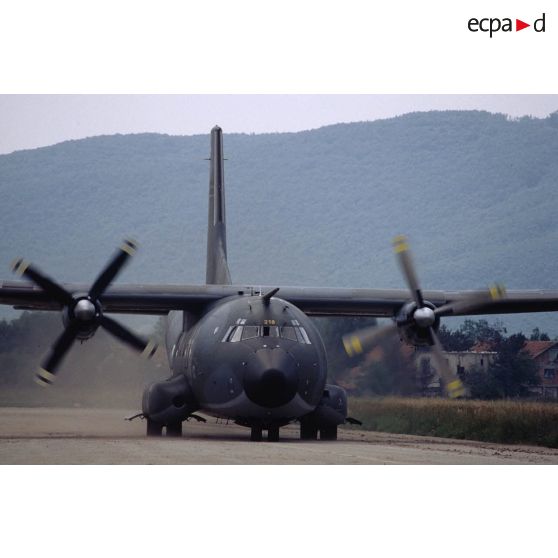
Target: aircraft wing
[{"x": 160, "y": 299}]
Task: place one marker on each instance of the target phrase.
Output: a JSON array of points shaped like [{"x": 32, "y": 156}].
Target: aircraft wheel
[
  {"x": 273, "y": 434},
  {"x": 174, "y": 430},
  {"x": 329, "y": 433},
  {"x": 154, "y": 428},
  {"x": 256, "y": 434},
  {"x": 308, "y": 432}
]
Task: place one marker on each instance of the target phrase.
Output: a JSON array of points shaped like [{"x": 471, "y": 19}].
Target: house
[
  {"x": 479, "y": 356},
  {"x": 474, "y": 358},
  {"x": 545, "y": 355}
]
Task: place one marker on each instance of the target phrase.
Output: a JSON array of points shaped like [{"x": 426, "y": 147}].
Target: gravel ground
[{"x": 99, "y": 436}]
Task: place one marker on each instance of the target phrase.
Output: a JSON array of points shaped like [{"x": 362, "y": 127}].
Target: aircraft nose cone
[{"x": 270, "y": 379}]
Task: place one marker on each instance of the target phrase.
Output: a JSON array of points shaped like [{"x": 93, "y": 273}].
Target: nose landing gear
[
  {"x": 256, "y": 434},
  {"x": 273, "y": 434}
]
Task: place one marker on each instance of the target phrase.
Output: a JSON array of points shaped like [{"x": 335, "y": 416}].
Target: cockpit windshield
[{"x": 241, "y": 332}]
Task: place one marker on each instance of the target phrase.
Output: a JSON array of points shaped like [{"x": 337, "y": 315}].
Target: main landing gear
[
  {"x": 154, "y": 428},
  {"x": 309, "y": 431},
  {"x": 329, "y": 433},
  {"x": 173, "y": 430}
]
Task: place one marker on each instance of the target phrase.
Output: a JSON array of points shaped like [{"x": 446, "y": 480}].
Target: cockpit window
[
  {"x": 269, "y": 331},
  {"x": 250, "y": 332},
  {"x": 300, "y": 331},
  {"x": 234, "y": 335},
  {"x": 239, "y": 332},
  {"x": 288, "y": 332}
]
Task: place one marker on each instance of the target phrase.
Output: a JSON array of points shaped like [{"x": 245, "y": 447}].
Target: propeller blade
[
  {"x": 358, "y": 341},
  {"x": 107, "y": 276},
  {"x": 452, "y": 384},
  {"x": 22, "y": 267},
  {"x": 147, "y": 348},
  {"x": 45, "y": 376},
  {"x": 401, "y": 248},
  {"x": 474, "y": 302}
]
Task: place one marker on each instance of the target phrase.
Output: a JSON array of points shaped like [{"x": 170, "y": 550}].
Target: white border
[
  {"x": 275, "y": 511},
  {"x": 295, "y": 46},
  {"x": 251, "y": 46}
]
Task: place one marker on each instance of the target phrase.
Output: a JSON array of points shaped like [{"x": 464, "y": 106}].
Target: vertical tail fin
[{"x": 217, "y": 269}]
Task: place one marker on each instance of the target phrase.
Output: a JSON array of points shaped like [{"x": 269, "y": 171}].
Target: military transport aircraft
[{"x": 250, "y": 354}]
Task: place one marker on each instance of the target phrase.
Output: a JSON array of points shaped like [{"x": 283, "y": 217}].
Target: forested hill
[{"x": 475, "y": 192}]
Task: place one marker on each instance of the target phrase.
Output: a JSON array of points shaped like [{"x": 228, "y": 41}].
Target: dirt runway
[{"x": 99, "y": 436}]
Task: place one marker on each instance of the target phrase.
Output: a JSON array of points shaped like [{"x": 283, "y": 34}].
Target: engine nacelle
[
  {"x": 178, "y": 326},
  {"x": 169, "y": 401},
  {"x": 409, "y": 330}
]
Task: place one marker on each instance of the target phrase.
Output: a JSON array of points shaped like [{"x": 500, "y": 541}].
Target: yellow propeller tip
[
  {"x": 456, "y": 389},
  {"x": 132, "y": 241},
  {"x": 352, "y": 345},
  {"x": 150, "y": 349},
  {"x": 44, "y": 378},
  {"x": 400, "y": 244},
  {"x": 497, "y": 291},
  {"x": 129, "y": 246},
  {"x": 19, "y": 265},
  {"x": 347, "y": 346}
]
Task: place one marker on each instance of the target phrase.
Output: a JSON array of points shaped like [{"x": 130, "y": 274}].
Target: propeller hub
[
  {"x": 85, "y": 310},
  {"x": 424, "y": 317}
]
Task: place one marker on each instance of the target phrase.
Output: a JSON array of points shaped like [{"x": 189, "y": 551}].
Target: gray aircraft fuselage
[
  {"x": 252, "y": 357},
  {"x": 257, "y": 361}
]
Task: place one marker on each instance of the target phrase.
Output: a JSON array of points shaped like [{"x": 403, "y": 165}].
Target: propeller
[
  {"x": 424, "y": 318},
  {"x": 83, "y": 314}
]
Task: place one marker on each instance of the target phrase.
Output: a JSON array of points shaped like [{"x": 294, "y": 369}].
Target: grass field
[{"x": 510, "y": 422}]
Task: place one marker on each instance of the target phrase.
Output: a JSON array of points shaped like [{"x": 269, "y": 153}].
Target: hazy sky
[{"x": 28, "y": 121}]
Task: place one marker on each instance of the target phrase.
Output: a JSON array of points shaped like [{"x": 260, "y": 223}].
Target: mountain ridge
[{"x": 473, "y": 191}]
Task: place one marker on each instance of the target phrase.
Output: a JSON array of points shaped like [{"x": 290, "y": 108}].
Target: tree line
[{"x": 389, "y": 369}]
